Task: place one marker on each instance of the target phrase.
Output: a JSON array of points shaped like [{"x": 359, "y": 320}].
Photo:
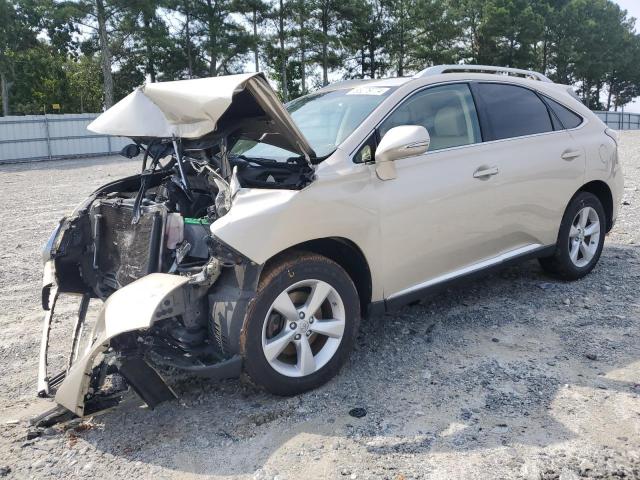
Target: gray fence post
[{"x": 46, "y": 130}]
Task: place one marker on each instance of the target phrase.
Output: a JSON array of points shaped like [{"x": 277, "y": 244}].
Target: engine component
[
  {"x": 196, "y": 232},
  {"x": 125, "y": 251},
  {"x": 174, "y": 230}
]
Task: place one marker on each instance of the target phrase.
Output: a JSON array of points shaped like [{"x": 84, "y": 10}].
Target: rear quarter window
[
  {"x": 510, "y": 111},
  {"x": 567, "y": 118}
]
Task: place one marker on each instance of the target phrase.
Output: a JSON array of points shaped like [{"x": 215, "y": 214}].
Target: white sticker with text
[{"x": 364, "y": 90}]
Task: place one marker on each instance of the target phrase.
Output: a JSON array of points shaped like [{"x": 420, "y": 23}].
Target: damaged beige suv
[{"x": 257, "y": 235}]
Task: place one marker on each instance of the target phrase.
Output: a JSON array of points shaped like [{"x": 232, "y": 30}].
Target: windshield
[{"x": 325, "y": 119}]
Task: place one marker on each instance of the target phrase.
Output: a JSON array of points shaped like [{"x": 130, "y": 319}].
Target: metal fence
[
  {"x": 46, "y": 137},
  {"x": 620, "y": 121}
]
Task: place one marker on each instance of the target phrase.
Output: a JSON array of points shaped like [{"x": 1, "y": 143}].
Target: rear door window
[
  {"x": 447, "y": 112},
  {"x": 509, "y": 111}
]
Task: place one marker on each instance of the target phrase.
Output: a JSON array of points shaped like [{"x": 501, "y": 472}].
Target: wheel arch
[
  {"x": 346, "y": 254},
  {"x": 601, "y": 190}
]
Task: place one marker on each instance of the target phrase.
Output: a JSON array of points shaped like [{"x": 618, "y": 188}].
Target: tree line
[{"x": 84, "y": 55}]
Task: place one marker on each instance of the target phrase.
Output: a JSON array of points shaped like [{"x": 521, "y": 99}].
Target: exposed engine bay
[
  {"x": 174, "y": 295},
  {"x": 154, "y": 227},
  {"x": 158, "y": 221}
]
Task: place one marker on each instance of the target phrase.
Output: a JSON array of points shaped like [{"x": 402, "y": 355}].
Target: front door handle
[
  {"x": 570, "y": 154},
  {"x": 484, "y": 172}
]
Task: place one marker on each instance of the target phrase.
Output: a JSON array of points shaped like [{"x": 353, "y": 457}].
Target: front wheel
[
  {"x": 580, "y": 239},
  {"x": 302, "y": 324}
]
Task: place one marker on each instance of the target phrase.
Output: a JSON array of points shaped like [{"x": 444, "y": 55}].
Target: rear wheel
[
  {"x": 580, "y": 239},
  {"x": 301, "y": 326}
]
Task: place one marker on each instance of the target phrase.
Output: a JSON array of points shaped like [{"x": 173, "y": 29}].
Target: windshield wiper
[{"x": 257, "y": 160}]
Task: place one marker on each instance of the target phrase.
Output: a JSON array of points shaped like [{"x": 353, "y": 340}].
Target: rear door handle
[
  {"x": 484, "y": 172},
  {"x": 570, "y": 154}
]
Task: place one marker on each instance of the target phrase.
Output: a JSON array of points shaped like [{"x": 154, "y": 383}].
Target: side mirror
[
  {"x": 400, "y": 142},
  {"x": 130, "y": 151}
]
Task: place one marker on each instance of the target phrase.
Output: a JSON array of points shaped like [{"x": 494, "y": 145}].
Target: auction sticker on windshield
[{"x": 368, "y": 91}]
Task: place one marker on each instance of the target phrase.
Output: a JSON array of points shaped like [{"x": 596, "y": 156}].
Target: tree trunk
[
  {"x": 597, "y": 94},
  {"x": 611, "y": 87},
  {"x": 187, "y": 34},
  {"x": 475, "y": 42},
  {"x": 512, "y": 48},
  {"x": 283, "y": 57},
  {"x": 325, "y": 46},
  {"x": 545, "y": 54},
  {"x": 401, "y": 42},
  {"x": 105, "y": 54},
  {"x": 151, "y": 68},
  {"x": 363, "y": 59},
  {"x": 303, "y": 61},
  {"x": 256, "y": 52},
  {"x": 4, "y": 86},
  {"x": 211, "y": 30},
  {"x": 586, "y": 93},
  {"x": 372, "y": 59}
]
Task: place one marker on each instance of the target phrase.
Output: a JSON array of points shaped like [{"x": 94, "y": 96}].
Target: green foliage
[
  {"x": 365, "y": 37},
  {"x": 52, "y": 51},
  {"x": 510, "y": 32},
  {"x": 85, "y": 87},
  {"x": 45, "y": 77}
]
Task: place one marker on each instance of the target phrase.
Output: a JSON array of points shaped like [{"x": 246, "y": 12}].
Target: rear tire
[
  {"x": 301, "y": 326},
  {"x": 580, "y": 239}
]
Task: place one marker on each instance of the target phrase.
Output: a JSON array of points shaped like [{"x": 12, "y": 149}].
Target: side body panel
[
  {"x": 601, "y": 152},
  {"x": 435, "y": 217},
  {"x": 533, "y": 186},
  {"x": 340, "y": 203},
  {"x": 603, "y": 163},
  {"x": 466, "y": 222}
]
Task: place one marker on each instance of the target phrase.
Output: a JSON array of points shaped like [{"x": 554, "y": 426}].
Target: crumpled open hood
[{"x": 193, "y": 108}]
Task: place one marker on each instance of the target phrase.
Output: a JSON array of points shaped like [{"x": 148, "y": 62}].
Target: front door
[{"x": 437, "y": 216}]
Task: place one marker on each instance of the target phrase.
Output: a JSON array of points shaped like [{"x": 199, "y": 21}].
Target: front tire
[
  {"x": 302, "y": 324},
  {"x": 580, "y": 239}
]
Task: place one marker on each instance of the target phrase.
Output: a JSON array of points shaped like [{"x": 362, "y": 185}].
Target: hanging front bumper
[{"x": 135, "y": 307}]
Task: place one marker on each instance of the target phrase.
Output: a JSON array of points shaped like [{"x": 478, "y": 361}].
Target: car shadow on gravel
[{"x": 515, "y": 358}]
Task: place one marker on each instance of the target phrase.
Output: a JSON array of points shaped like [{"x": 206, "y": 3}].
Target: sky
[
  {"x": 633, "y": 9},
  {"x": 631, "y": 6}
]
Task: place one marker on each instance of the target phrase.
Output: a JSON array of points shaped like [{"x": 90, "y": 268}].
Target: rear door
[{"x": 538, "y": 164}]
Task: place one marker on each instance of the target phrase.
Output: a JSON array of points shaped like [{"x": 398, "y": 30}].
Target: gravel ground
[{"x": 513, "y": 376}]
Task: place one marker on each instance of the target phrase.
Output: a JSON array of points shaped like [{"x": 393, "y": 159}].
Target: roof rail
[{"x": 516, "y": 72}]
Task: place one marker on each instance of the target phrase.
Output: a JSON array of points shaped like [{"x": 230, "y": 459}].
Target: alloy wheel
[
  {"x": 584, "y": 236},
  {"x": 303, "y": 328}
]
